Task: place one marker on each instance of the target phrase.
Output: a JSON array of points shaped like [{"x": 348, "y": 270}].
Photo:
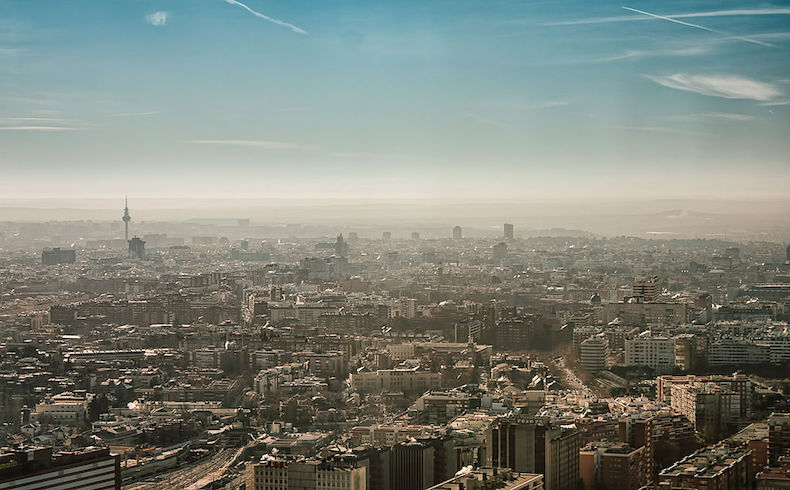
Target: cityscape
[
  {"x": 213, "y": 357},
  {"x": 405, "y": 245}
]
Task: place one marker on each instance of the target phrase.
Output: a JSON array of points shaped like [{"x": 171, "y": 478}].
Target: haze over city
[{"x": 394, "y": 245}]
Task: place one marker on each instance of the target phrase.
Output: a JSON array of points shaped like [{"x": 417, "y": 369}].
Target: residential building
[{"x": 655, "y": 352}]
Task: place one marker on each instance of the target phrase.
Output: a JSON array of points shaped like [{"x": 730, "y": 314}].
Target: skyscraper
[
  {"x": 508, "y": 231},
  {"x": 647, "y": 288},
  {"x": 457, "y": 233},
  {"x": 530, "y": 446},
  {"x": 500, "y": 252},
  {"x": 136, "y": 248},
  {"x": 341, "y": 247},
  {"x": 126, "y": 219}
]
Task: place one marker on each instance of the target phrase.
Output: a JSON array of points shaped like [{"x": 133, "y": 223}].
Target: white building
[
  {"x": 729, "y": 351},
  {"x": 593, "y": 353},
  {"x": 404, "y": 308},
  {"x": 657, "y": 353},
  {"x": 398, "y": 379},
  {"x": 65, "y": 408}
]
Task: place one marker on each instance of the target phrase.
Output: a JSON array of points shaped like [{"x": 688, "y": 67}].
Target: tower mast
[{"x": 126, "y": 219}]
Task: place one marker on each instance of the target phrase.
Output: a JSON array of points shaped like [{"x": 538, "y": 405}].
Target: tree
[{"x": 98, "y": 405}]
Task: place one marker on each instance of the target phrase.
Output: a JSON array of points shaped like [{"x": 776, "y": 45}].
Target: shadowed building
[{"x": 136, "y": 248}]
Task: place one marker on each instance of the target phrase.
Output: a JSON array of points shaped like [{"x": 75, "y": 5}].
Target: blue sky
[{"x": 422, "y": 98}]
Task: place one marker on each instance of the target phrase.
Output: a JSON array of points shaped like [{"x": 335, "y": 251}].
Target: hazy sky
[{"x": 496, "y": 98}]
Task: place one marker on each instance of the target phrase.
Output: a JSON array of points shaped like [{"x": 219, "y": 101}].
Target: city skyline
[{"x": 407, "y": 100}]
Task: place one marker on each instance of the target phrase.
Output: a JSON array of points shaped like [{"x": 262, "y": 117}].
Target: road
[{"x": 567, "y": 377}]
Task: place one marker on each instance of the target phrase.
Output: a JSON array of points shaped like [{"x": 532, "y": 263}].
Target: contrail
[
  {"x": 689, "y": 24},
  {"x": 266, "y": 17}
]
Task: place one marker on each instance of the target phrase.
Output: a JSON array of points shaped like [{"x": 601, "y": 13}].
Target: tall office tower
[
  {"x": 412, "y": 466},
  {"x": 126, "y": 219},
  {"x": 562, "y": 458},
  {"x": 136, "y": 248},
  {"x": 386, "y": 236},
  {"x": 528, "y": 446},
  {"x": 500, "y": 251},
  {"x": 778, "y": 436},
  {"x": 415, "y": 235},
  {"x": 457, "y": 233},
  {"x": 341, "y": 247},
  {"x": 508, "y": 231}
]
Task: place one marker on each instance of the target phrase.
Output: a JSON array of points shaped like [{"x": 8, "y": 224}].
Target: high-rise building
[
  {"x": 593, "y": 353},
  {"x": 778, "y": 436},
  {"x": 715, "y": 406},
  {"x": 415, "y": 235},
  {"x": 646, "y": 288},
  {"x": 508, "y": 231},
  {"x": 341, "y": 247},
  {"x": 638, "y": 430},
  {"x": 457, "y": 233},
  {"x": 657, "y": 353},
  {"x": 562, "y": 458},
  {"x": 404, "y": 308},
  {"x": 68, "y": 470},
  {"x": 613, "y": 465},
  {"x": 386, "y": 236},
  {"x": 136, "y": 248},
  {"x": 500, "y": 252},
  {"x": 126, "y": 219},
  {"x": 624, "y": 467},
  {"x": 412, "y": 466},
  {"x": 58, "y": 256},
  {"x": 528, "y": 446}
]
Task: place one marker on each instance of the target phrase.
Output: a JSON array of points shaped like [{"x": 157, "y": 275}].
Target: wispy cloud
[
  {"x": 634, "y": 54},
  {"x": 551, "y": 103},
  {"x": 135, "y": 114},
  {"x": 358, "y": 154},
  {"x": 34, "y": 123},
  {"x": 486, "y": 120},
  {"x": 726, "y": 86},
  {"x": 722, "y": 116},
  {"x": 715, "y": 13},
  {"x": 776, "y": 102},
  {"x": 271, "y": 145},
  {"x": 34, "y": 119},
  {"x": 279, "y": 22},
  {"x": 157, "y": 19},
  {"x": 37, "y": 128},
  {"x": 697, "y": 26},
  {"x": 658, "y": 129},
  {"x": 637, "y": 54}
]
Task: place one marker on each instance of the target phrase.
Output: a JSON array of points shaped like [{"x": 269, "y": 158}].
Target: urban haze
[{"x": 404, "y": 245}]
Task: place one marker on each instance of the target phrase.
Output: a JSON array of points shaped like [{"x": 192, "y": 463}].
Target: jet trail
[{"x": 689, "y": 24}]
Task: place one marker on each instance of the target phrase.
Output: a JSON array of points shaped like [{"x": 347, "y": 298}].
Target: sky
[{"x": 394, "y": 99}]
